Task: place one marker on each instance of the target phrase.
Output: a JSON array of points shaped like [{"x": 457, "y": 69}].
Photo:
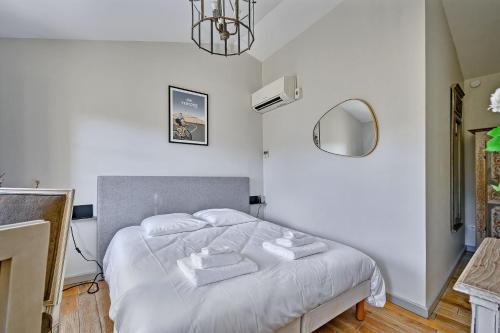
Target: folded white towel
[
  {"x": 295, "y": 241},
  {"x": 201, "y": 260},
  {"x": 295, "y": 252},
  {"x": 215, "y": 250},
  {"x": 200, "y": 277},
  {"x": 293, "y": 235}
]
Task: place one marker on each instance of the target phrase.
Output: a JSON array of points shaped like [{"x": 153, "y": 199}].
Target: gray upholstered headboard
[{"x": 124, "y": 201}]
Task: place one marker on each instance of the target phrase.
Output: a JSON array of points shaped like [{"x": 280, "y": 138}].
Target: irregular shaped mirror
[{"x": 348, "y": 129}]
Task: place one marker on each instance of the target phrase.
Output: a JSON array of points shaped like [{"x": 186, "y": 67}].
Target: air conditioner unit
[{"x": 275, "y": 94}]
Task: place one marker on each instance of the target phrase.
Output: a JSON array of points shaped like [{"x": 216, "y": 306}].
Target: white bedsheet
[{"x": 149, "y": 294}]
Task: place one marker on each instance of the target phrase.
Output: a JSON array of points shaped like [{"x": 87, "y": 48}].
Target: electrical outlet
[{"x": 256, "y": 199}]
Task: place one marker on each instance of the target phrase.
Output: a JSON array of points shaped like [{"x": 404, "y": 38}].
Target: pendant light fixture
[{"x": 223, "y": 27}]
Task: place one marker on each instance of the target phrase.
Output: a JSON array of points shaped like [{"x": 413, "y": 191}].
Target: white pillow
[
  {"x": 168, "y": 224},
  {"x": 223, "y": 216}
]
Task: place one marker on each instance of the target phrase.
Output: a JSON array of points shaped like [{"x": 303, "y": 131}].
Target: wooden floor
[
  {"x": 86, "y": 313},
  {"x": 81, "y": 312}
]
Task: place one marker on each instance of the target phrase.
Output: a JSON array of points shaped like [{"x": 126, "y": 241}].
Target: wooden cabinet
[{"x": 487, "y": 172}]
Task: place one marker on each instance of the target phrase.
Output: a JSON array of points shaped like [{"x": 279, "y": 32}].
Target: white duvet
[{"x": 149, "y": 294}]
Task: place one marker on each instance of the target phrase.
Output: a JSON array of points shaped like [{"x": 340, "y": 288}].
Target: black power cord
[
  {"x": 258, "y": 209},
  {"x": 94, "y": 286}
]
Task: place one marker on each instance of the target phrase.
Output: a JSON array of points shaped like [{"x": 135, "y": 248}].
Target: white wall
[
  {"x": 444, "y": 248},
  {"x": 476, "y": 115},
  {"x": 85, "y": 232},
  {"x": 73, "y": 110},
  {"x": 373, "y": 50}
]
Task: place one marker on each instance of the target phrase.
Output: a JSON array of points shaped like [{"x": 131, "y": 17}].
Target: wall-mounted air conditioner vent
[{"x": 275, "y": 94}]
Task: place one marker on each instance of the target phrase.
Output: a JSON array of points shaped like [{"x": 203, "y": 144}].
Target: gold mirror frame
[{"x": 375, "y": 127}]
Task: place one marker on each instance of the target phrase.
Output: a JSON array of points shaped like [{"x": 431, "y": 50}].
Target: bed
[{"x": 149, "y": 294}]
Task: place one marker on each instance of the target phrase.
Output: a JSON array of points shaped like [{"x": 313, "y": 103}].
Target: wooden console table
[{"x": 481, "y": 281}]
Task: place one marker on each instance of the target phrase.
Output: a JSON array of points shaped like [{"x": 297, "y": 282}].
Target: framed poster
[{"x": 188, "y": 116}]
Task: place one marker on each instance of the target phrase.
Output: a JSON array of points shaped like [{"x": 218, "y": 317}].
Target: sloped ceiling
[
  {"x": 475, "y": 27},
  {"x": 277, "y": 21},
  {"x": 285, "y": 22}
]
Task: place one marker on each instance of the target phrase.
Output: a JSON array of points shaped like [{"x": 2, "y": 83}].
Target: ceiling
[
  {"x": 149, "y": 20},
  {"x": 285, "y": 22},
  {"x": 475, "y": 27},
  {"x": 474, "y": 24}
]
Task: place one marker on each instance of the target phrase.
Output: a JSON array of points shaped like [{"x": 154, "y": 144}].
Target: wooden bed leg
[{"x": 360, "y": 310}]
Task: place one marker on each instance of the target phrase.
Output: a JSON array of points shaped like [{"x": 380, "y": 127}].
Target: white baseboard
[
  {"x": 443, "y": 288},
  {"x": 422, "y": 310},
  {"x": 409, "y": 305},
  {"x": 470, "y": 248},
  {"x": 79, "y": 278}
]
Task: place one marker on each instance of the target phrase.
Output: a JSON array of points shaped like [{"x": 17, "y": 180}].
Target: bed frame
[{"x": 124, "y": 201}]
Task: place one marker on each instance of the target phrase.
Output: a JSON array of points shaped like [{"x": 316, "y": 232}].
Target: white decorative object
[{"x": 495, "y": 101}]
